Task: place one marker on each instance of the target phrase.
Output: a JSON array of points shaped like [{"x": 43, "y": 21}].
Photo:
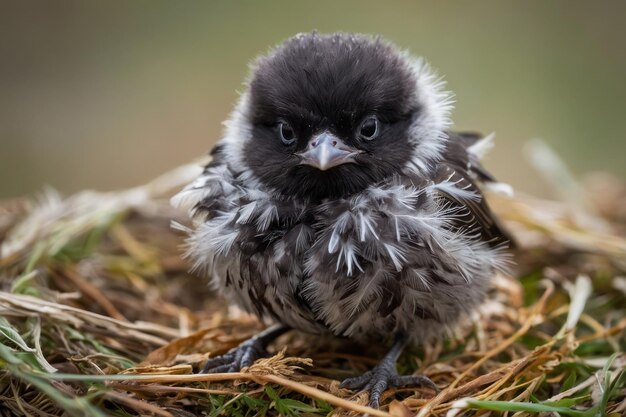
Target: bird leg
[
  {"x": 246, "y": 353},
  {"x": 384, "y": 375}
]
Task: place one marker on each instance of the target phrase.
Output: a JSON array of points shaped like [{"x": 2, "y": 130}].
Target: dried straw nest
[{"x": 98, "y": 316}]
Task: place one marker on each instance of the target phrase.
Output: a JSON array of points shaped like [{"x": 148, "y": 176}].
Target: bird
[{"x": 340, "y": 201}]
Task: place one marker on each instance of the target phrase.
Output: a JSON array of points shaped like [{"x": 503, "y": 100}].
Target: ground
[{"x": 99, "y": 316}]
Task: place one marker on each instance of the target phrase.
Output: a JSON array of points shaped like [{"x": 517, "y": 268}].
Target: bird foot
[
  {"x": 237, "y": 358},
  {"x": 383, "y": 376},
  {"x": 245, "y": 354}
]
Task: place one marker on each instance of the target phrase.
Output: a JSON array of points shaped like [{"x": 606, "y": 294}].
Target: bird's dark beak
[{"x": 326, "y": 150}]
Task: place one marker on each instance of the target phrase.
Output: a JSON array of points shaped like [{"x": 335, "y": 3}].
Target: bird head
[{"x": 326, "y": 116}]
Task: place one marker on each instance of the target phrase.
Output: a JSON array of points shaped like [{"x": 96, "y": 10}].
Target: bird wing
[{"x": 461, "y": 171}]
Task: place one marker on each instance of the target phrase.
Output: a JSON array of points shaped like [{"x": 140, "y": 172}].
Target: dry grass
[{"x": 98, "y": 316}]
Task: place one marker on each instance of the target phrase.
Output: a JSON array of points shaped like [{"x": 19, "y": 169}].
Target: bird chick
[{"x": 339, "y": 201}]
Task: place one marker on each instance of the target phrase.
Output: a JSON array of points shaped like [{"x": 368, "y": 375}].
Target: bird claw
[
  {"x": 382, "y": 377},
  {"x": 237, "y": 358},
  {"x": 245, "y": 354}
]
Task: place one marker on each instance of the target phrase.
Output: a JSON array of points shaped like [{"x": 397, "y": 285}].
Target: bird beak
[{"x": 326, "y": 150}]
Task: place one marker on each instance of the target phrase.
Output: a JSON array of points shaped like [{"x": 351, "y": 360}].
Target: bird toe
[
  {"x": 237, "y": 358},
  {"x": 357, "y": 382},
  {"x": 382, "y": 377}
]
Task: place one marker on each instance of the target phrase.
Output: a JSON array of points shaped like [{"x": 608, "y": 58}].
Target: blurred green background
[{"x": 109, "y": 94}]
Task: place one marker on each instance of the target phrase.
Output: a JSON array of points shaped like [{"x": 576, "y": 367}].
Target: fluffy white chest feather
[{"x": 391, "y": 259}]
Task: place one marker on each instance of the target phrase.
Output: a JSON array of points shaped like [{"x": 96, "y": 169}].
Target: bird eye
[
  {"x": 287, "y": 135},
  {"x": 369, "y": 128}
]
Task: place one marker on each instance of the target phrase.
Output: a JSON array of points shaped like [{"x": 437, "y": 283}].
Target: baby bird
[{"x": 339, "y": 201}]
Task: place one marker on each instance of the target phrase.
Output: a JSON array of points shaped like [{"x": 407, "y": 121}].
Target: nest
[{"x": 99, "y": 316}]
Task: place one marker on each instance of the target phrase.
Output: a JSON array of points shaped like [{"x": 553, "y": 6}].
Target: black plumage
[{"x": 339, "y": 201}]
